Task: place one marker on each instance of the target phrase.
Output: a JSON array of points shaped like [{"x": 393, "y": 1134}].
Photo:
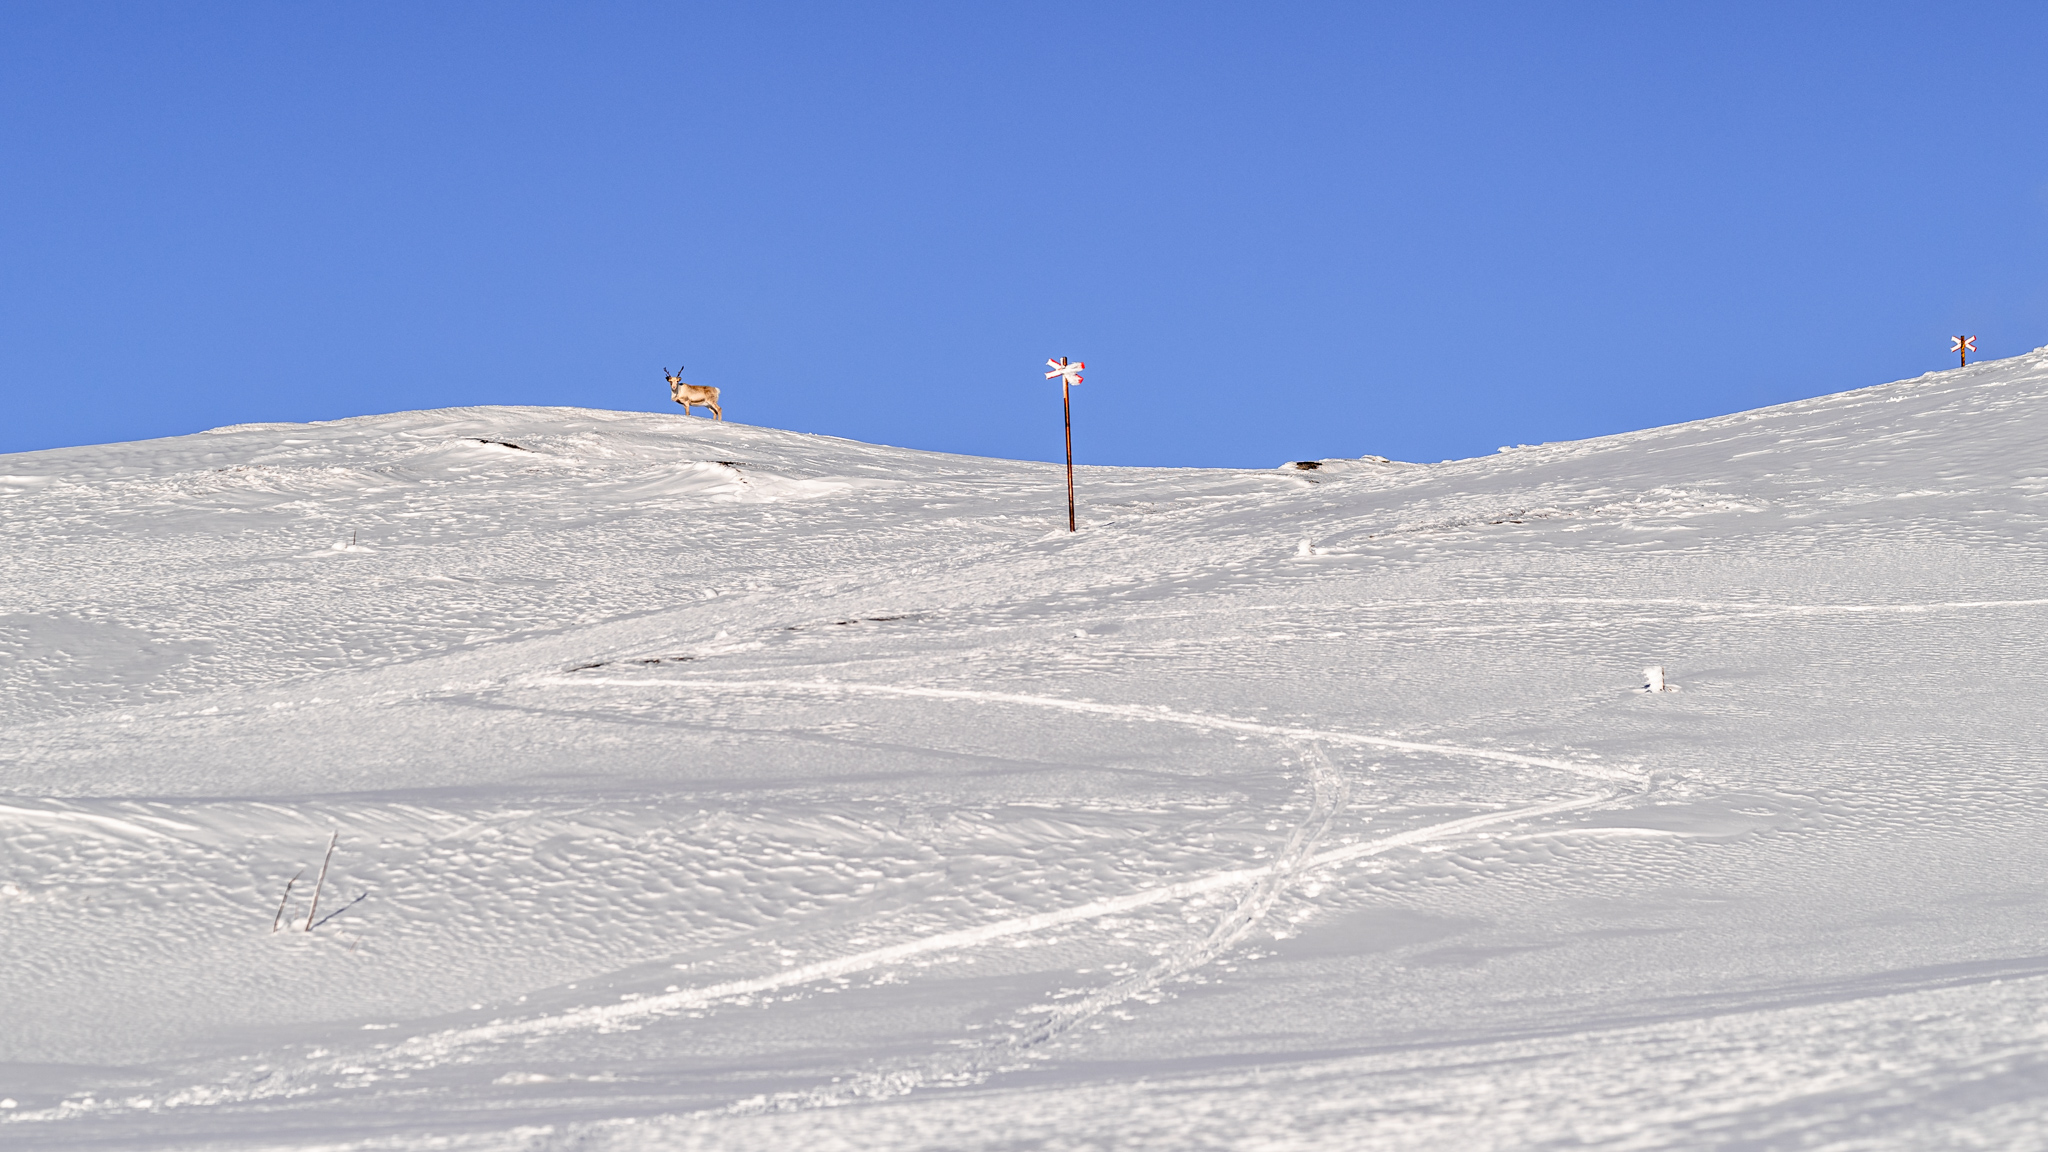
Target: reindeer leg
[{"x": 719, "y": 415}]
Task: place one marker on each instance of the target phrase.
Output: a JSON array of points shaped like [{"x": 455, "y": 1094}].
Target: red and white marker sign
[
  {"x": 1068, "y": 374},
  {"x": 1071, "y": 371},
  {"x": 1955, "y": 344}
]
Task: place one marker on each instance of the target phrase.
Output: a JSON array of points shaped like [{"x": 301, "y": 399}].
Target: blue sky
[{"x": 1274, "y": 231}]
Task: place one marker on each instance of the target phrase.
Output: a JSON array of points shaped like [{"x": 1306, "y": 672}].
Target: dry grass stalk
[
  {"x": 283, "y": 900},
  {"x": 322, "y": 883}
]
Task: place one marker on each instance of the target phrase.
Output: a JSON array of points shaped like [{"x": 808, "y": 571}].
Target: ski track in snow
[
  {"x": 1268, "y": 881},
  {"x": 1127, "y": 711},
  {"x": 1265, "y": 884},
  {"x": 606, "y": 1015},
  {"x": 1760, "y": 608},
  {"x": 1330, "y": 791}
]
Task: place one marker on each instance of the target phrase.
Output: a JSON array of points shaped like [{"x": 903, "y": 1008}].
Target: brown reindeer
[{"x": 688, "y": 394}]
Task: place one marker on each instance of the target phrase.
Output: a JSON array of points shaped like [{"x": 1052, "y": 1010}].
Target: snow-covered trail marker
[
  {"x": 1070, "y": 375},
  {"x": 1962, "y": 346}
]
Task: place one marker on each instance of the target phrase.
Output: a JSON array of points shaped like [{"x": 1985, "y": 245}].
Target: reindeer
[{"x": 688, "y": 394}]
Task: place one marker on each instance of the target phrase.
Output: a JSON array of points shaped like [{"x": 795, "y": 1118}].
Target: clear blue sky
[{"x": 1273, "y": 231}]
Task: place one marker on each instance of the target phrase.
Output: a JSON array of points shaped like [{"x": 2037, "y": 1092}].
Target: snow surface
[{"x": 707, "y": 786}]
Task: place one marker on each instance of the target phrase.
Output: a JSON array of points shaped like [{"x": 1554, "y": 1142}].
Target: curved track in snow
[
  {"x": 1126, "y": 711},
  {"x": 626, "y": 1012},
  {"x": 1266, "y": 882},
  {"x": 1261, "y": 886}
]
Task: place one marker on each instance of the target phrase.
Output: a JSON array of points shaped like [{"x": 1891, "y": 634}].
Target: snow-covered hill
[{"x": 701, "y": 785}]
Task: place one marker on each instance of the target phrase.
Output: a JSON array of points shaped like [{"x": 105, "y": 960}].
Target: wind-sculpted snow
[{"x": 699, "y": 785}]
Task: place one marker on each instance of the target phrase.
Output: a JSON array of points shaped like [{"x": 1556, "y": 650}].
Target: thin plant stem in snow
[
  {"x": 322, "y": 882},
  {"x": 278, "y": 921}
]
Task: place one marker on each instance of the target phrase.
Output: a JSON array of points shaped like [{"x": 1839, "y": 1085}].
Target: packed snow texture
[{"x": 706, "y": 786}]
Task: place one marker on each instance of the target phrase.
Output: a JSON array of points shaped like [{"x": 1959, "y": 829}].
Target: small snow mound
[{"x": 1655, "y": 675}]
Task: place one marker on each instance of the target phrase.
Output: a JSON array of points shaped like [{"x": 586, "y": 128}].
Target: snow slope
[{"x": 707, "y": 786}]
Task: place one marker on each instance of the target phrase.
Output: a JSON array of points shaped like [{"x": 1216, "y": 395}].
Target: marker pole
[
  {"x": 1069, "y": 373},
  {"x": 1067, "y": 410}
]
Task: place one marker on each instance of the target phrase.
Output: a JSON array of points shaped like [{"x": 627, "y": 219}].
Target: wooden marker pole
[
  {"x": 1070, "y": 375},
  {"x": 1962, "y": 346},
  {"x": 1067, "y": 417}
]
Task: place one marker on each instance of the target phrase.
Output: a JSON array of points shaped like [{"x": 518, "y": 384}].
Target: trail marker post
[
  {"x": 1070, "y": 375},
  {"x": 1962, "y": 346}
]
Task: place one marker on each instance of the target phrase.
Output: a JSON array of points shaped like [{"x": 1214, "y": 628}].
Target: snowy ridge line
[
  {"x": 603, "y": 1015},
  {"x": 1628, "y": 773}
]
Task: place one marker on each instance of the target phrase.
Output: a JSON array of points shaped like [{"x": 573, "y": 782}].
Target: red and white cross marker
[
  {"x": 1069, "y": 374},
  {"x": 1060, "y": 367},
  {"x": 1962, "y": 346}
]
